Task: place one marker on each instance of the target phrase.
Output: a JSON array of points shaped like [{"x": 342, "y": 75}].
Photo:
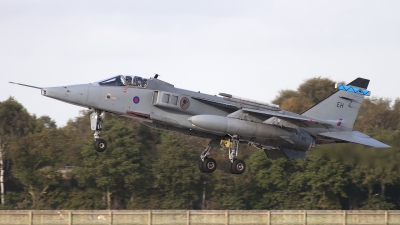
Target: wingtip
[{"x": 385, "y": 146}]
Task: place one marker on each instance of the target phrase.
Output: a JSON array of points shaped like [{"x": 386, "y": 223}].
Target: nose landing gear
[{"x": 96, "y": 122}]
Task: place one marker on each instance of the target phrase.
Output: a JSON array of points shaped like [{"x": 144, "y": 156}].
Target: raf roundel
[{"x": 136, "y": 99}]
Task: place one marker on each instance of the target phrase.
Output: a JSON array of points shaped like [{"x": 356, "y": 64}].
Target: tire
[
  {"x": 238, "y": 166},
  {"x": 201, "y": 166},
  {"x": 100, "y": 145},
  {"x": 230, "y": 168},
  {"x": 209, "y": 165}
]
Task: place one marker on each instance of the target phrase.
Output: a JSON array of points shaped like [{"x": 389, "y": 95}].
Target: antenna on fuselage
[{"x": 156, "y": 76}]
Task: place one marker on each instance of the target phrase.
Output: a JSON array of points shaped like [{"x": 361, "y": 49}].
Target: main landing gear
[
  {"x": 207, "y": 165},
  {"x": 96, "y": 122},
  {"x": 236, "y": 166}
]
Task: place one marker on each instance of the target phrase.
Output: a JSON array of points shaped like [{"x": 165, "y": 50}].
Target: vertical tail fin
[{"x": 341, "y": 108}]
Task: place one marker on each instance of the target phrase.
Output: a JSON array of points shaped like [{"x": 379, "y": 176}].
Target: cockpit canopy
[{"x": 120, "y": 80}]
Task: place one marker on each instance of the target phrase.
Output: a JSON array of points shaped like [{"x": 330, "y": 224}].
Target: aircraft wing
[
  {"x": 294, "y": 118},
  {"x": 355, "y": 137},
  {"x": 266, "y": 113},
  {"x": 217, "y": 103}
]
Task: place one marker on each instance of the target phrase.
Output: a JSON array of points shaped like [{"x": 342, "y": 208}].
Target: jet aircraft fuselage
[{"x": 224, "y": 120}]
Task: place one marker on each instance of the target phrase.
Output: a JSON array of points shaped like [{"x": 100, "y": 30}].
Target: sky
[{"x": 251, "y": 49}]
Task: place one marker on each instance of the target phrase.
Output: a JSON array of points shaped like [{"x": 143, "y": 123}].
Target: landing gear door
[{"x": 93, "y": 121}]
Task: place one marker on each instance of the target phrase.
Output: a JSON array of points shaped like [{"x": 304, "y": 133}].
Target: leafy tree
[
  {"x": 309, "y": 93},
  {"x": 44, "y": 122},
  {"x": 36, "y": 160},
  {"x": 284, "y": 95},
  {"x": 271, "y": 179},
  {"x": 325, "y": 181},
  {"x": 14, "y": 123},
  {"x": 377, "y": 112},
  {"x": 317, "y": 89},
  {"x": 177, "y": 177},
  {"x": 14, "y": 119},
  {"x": 118, "y": 170},
  {"x": 230, "y": 191}
]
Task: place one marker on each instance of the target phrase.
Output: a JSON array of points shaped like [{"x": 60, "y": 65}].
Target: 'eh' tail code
[{"x": 342, "y": 104}]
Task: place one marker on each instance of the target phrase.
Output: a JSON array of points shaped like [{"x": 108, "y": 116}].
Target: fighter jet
[{"x": 226, "y": 120}]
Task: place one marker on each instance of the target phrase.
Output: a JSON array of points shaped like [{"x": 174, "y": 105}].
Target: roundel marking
[
  {"x": 136, "y": 99},
  {"x": 184, "y": 103}
]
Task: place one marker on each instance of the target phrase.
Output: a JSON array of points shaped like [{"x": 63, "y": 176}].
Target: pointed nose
[
  {"x": 74, "y": 94},
  {"x": 53, "y": 92}
]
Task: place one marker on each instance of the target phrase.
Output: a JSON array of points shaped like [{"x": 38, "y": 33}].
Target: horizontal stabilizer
[{"x": 355, "y": 137}]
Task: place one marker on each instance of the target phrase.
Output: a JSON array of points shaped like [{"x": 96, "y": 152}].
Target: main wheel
[
  {"x": 210, "y": 165},
  {"x": 100, "y": 145},
  {"x": 237, "y": 167},
  {"x": 201, "y": 166},
  {"x": 230, "y": 168}
]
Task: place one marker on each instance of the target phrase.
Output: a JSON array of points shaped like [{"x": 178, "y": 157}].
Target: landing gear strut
[
  {"x": 207, "y": 165},
  {"x": 236, "y": 166},
  {"x": 96, "y": 121}
]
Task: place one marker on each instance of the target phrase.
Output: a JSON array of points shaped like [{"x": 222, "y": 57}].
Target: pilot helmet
[{"x": 128, "y": 79}]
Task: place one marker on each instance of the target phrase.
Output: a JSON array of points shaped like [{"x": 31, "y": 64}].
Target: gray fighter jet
[{"x": 225, "y": 120}]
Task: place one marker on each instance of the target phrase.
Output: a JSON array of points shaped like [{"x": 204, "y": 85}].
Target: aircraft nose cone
[
  {"x": 52, "y": 92},
  {"x": 74, "y": 94}
]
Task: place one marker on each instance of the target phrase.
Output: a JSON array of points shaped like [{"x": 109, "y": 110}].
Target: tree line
[{"x": 50, "y": 167}]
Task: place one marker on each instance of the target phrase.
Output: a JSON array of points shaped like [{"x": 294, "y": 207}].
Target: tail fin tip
[{"x": 360, "y": 82}]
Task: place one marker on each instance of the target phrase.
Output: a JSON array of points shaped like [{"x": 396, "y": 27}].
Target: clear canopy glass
[
  {"x": 136, "y": 81},
  {"x": 120, "y": 80}
]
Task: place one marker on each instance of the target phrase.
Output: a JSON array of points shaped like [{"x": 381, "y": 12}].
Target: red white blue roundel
[{"x": 136, "y": 99}]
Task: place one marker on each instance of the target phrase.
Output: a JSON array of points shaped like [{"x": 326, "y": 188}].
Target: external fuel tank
[{"x": 233, "y": 126}]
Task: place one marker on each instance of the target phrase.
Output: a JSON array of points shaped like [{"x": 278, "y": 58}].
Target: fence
[{"x": 197, "y": 217}]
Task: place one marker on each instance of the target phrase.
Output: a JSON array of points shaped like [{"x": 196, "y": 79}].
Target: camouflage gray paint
[{"x": 228, "y": 119}]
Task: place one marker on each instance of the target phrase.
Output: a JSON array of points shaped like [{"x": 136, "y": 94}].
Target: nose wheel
[
  {"x": 96, "y": 122},
  {"x": 100, "y": 145}
]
